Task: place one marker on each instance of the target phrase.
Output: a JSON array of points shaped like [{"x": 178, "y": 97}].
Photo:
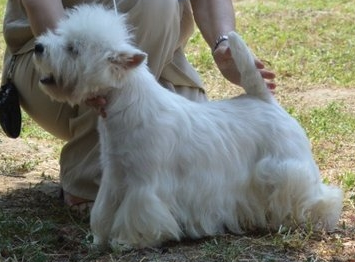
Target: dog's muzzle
[{"x": 48, "y": 79}]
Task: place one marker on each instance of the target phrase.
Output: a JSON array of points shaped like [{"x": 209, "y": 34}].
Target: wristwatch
[{"x": 219, "y": 40}]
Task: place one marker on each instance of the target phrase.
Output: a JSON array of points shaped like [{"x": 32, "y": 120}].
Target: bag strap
[{"x": 11, "y": 68}]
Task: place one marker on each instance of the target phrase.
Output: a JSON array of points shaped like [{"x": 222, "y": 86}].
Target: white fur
[{"x": 174, "y": 168}]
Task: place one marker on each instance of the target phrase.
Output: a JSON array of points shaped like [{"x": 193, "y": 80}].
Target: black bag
[{"x": 10, "y": 112}]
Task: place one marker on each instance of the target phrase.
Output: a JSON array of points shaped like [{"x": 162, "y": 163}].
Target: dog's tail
[{"x": 251, "y": 79}]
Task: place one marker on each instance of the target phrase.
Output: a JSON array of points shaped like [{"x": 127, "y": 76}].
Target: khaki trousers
[{"x": 161, "y": 28}]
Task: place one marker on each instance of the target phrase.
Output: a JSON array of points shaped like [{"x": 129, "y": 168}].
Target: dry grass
[{"x": 308, "y": 44}]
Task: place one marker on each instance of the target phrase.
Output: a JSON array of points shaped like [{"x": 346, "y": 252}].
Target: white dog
[{"x": 173, "y": 168}]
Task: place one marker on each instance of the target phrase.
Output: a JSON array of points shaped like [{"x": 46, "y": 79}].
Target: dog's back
[
  {"x": 251, "y": 79},
  {"x": 172, "y": 167}
]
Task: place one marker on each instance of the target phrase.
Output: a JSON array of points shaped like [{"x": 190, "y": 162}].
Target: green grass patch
[
  {"x": 31, "y": 130},
  {"x": 38, "y": 228},
  {"x": 11, "y": 166},
  {"x": 331, "y": 130},
  {"x": 347, "y": 180},
  {"x": 307, "y": 44},
  {"x": 306, "y": 40},
  {"x": 331, "y": 122}
]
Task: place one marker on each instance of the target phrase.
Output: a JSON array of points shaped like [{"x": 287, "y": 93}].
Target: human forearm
[
  {"x": 213, "y": 18},
  {"x": 43, "y": 14}
]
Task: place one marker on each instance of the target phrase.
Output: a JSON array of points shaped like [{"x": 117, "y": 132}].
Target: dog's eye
[{"x": 71, "y": 49}]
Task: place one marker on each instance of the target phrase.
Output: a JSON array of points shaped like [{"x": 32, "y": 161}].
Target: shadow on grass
[{"x": 36, "y": 227}]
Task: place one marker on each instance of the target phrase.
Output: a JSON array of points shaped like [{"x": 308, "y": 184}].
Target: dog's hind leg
[
  {"x": 294, "y": 193},
  {"x": 251, "y": 79}
]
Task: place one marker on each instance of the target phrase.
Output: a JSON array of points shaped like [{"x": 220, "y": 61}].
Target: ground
[
  {"x": 310, "y": 44},
  {"x": 29, "y": 196}
]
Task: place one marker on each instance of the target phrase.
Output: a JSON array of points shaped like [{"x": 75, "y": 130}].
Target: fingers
[
  {"x": 103, "y": 112},
  {"x": 259, "y": 64},
  {"x": 269, "y": 78},
  {"x": 266, "y": 74},
  {"x": 271, "y": 86},
  {"x": 98, "y": 103}
]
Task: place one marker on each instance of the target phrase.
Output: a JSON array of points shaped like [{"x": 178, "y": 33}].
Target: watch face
[{"x": 219, "y": 40}]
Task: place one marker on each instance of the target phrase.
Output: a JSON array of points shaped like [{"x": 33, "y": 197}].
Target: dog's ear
[{"x": 127, "y": 60}]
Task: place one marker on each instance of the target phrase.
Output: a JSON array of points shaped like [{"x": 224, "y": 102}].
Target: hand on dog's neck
[
  {"x": 119, "y": 62},
  {"x": 99, "y": 104}
]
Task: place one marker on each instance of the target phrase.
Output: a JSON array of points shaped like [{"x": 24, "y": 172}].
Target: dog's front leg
[{"x": 106, "y": 204}]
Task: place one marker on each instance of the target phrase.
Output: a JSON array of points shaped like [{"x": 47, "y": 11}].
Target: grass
[
  {"x": 312, "y": 38},
  {"x": 12, "y": 167},
  {"x": 328, "y": 122},
  {"x": 348, "y": 182},
  {"x": 329, "y": 128},
  {"x": 35, "y": 227},
  {"x": 309, "y": 45},
  {"x": 31, "y": 130},
  {"x": 294, "y": 37}
]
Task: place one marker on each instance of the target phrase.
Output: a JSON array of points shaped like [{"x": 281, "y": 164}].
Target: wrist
[{"x": 219, "y": 41}]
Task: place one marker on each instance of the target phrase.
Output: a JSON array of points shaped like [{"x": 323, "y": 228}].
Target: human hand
[
  {"x": 98, "y": 103},
  {"x": 223, "y": 58}
]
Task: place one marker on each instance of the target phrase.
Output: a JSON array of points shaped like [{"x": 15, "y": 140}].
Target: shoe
[{"x": 78, "y": 205}]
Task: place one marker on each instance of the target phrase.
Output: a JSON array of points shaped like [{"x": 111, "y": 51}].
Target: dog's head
[{"x": 88, "y": 53}]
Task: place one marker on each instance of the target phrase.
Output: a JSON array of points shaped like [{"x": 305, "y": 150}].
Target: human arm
[
  {"x": 215, "y": 18},
  {"x": 43, "y": 14}
]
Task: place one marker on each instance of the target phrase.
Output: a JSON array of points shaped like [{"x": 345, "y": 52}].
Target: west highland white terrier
[{"x": 174, "y": 168}]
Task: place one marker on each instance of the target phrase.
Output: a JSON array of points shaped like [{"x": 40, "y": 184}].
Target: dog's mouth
[{"x": 48, "y": 80}]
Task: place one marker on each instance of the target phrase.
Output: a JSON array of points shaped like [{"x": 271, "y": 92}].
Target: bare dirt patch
[
  {"x": 318, "y": 97},
  {"x": 27, "y": 162}
]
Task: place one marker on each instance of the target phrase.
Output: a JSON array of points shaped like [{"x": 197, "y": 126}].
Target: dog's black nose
[{"x": 39, "y": 48}]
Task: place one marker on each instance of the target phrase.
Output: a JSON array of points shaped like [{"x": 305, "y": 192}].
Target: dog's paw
[
  {"x": 119, "y": 246},
  {"x": 99, "y": 243}
]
